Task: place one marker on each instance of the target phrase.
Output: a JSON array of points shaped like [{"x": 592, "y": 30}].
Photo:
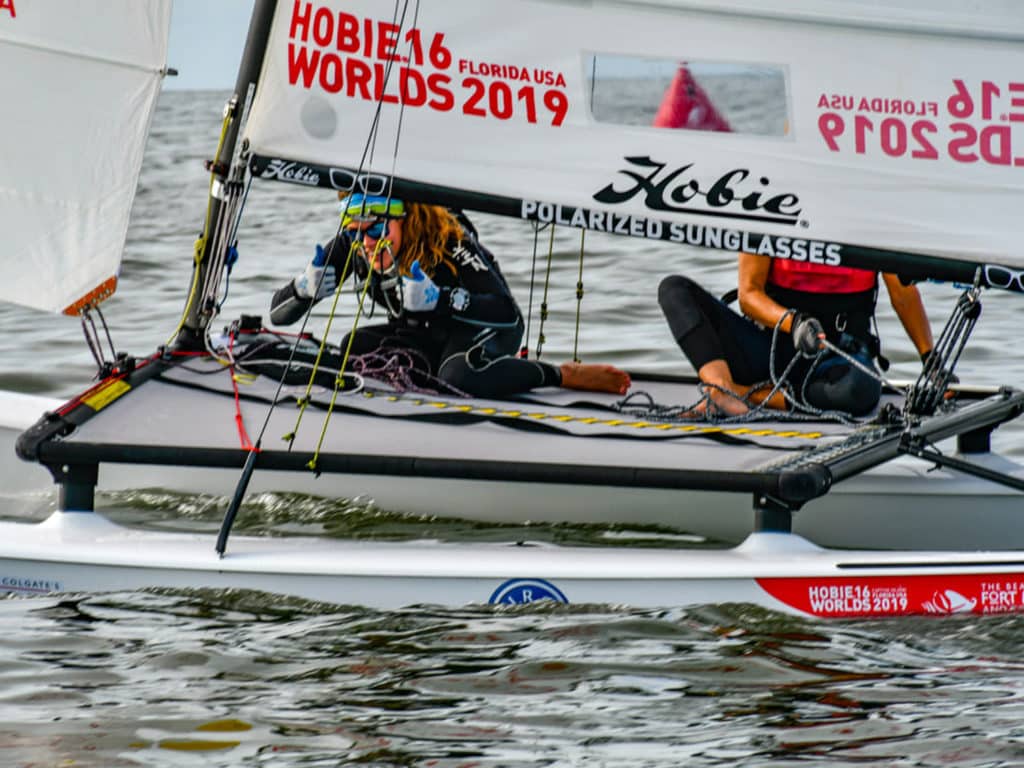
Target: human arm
[
  {"x": 755, "y": 303},
  {"x": 317, "y": 280},
  {"x": 473, "y": 290},
  {"x": 906, "y": 302}
]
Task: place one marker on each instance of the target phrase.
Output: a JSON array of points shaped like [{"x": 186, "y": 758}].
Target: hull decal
[
  {"x": 522, "y": 591},
  {"x": 869, "y": 596}
]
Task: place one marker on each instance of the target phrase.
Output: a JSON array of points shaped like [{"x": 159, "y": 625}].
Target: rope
[
  {"x": 378, "y": 249},
  {"x": 524, "y": 352},
  {"x": 92, "y": 340},
  {"x": 339, "y": 380},
  {"x": 579, "y": 302},
  {"x": 304, "y": 400},
  {"x": 929, "y": 391},
  {"x": 544, "y": 301},
  {"x": 243, "y": 435},
  {"x": 368, "y": 149},
  {"x": 801, "y": 409}
]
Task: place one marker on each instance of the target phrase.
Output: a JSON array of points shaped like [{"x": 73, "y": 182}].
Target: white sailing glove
[
  {"x": 318, "y": 280},
  {"x": 419, "y": 292}
]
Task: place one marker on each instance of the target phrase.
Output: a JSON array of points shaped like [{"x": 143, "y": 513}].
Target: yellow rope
[
  {"x": 304, "y": 400},
  {"x": 339, "y": 380}
]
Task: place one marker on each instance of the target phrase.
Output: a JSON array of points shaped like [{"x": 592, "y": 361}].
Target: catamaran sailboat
[{"x": 535, "y": 110}]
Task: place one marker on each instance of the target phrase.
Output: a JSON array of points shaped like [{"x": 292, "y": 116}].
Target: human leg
[
  {"x": 728, "y": 351},
  {"x": 484, "y": 364},
  {"x": 836, "y": 384}
]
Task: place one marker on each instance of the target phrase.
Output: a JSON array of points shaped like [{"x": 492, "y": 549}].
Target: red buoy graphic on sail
[{"x": 686, "y": 105}]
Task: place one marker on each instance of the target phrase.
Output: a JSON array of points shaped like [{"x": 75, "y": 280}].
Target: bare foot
[
  {"x": 729, "y": 397},
  {"x": 715, "y": 405},
  {"x": 594, "y": 377},
  {"x": 725, "y": 403}
]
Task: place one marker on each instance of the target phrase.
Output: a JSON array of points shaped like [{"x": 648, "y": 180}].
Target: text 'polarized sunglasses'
[{"x": 1001, "y": 277}]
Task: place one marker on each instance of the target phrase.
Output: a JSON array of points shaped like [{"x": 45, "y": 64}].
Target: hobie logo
[
  {"x": 293, "y": 172},
  {"x": 732, "y": 195},
  {"x": 949, "y": 601},
  {"x": 522, "y": 591}
]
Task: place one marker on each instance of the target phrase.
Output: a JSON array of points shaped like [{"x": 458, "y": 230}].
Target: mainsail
[
  {"x": 902, "y": 124},
  {"x": 85, "y": 77}
]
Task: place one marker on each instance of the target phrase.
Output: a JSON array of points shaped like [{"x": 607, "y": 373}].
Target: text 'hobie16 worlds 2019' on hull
[{"x": 532, "y": 110}]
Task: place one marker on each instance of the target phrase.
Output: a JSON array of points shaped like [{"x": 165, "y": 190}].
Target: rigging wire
[
  {"x": 525, "y": 350},
  {"x": 250, "y": 463},
  {"x": 92, "y": 340},
  {"x": 339, "y": 378},
  {"x": 929, "y": 391},
  {"x": 367, "y": 152},
  {"x": 544, "y": 300},
  {"x": 579, "y": 302},
  {"x": 380, "y": 245}
]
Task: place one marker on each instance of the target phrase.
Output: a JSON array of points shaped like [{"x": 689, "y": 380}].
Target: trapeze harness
[
  {"x": 468, "y": 342},
  {"x": 842, "y": 298}
]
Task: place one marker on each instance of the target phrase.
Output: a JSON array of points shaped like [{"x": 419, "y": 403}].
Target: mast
[{"x": 198, "y": 313}]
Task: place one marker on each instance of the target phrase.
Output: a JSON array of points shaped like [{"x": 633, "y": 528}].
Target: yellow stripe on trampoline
[{"x": 566, "y": 418}]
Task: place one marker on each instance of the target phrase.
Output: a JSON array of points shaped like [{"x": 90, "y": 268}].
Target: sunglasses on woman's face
[{"x": 374, "y": 230}]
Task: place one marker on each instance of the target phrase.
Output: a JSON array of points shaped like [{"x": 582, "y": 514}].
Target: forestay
[
  {"x": 889, "y": 126},
  {"x": 85, "y": 77}
]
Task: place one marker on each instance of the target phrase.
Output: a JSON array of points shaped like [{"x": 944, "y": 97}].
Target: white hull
[
  {"x": 83, "y": 552},
  {"x": 938, "y": 509}
]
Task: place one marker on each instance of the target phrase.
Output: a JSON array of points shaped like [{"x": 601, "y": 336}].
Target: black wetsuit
[
  {"x": 707, "y": 329},
  {"x": 472, "y": 348}
]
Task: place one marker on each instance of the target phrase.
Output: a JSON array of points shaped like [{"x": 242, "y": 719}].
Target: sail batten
[{"x": 86, "y": 57}]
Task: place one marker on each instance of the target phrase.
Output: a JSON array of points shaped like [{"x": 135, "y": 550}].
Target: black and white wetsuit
[
  {"x": 707, "y": 329},
  {"x": 469, "y": 345}
]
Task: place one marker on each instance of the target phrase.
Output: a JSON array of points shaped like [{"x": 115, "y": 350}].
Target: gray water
[{"x": 177, "y": 678}]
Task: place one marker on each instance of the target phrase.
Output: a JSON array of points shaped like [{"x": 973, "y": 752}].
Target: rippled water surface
[{"x": 232, "y": 679}]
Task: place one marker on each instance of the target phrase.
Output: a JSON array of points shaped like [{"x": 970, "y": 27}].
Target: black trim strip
[
  {"x": 911, "y": 266},
  {"x": 795, "y": 487}
]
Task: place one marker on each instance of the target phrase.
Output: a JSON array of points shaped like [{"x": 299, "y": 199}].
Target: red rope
[{"x": 243, "y": 435}]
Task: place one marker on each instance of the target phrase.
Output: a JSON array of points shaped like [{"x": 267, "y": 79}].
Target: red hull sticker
[{"x": 854, "y": 596}]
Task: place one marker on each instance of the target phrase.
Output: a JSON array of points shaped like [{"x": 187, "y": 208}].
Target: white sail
[
  {"x": 80, "y": 84},
  {"x": 896, "y": 125}
]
